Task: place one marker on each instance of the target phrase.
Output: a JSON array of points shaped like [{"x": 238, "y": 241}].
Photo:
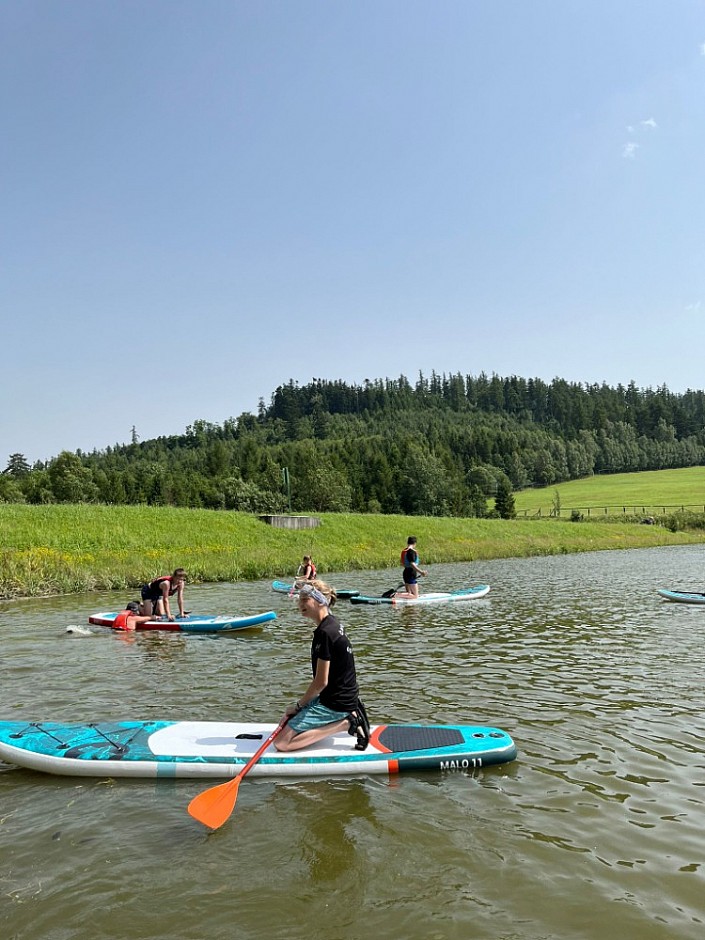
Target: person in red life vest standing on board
[
  {"x": 331, "y": 702},
  {"x": 411, "y": 570},
  {"x": 156, "y": 594},
  {"x": 129, "y": 618},
  {"x": 307, "y": 571}
]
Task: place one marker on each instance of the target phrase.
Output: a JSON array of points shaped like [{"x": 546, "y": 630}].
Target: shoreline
[{"x": 71, "y": 549}]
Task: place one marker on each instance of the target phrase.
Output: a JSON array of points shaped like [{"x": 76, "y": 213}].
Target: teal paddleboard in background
[{"x": 284, "y": 587}]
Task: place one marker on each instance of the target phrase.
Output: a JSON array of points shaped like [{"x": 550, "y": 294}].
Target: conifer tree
[{"x": 504, "y": 500}]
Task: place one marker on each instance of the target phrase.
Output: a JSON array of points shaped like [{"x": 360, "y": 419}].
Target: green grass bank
[{"x": 65, "y": 549}]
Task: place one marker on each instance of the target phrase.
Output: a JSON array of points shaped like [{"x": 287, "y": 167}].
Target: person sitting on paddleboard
[
  {"x": 331, "y": 703},
  {"x": 411, "y": 570},
  {"x": 306, "y": 572},
  {"x": 156, "y": 594},
  {"x": 129, "y": 618}
]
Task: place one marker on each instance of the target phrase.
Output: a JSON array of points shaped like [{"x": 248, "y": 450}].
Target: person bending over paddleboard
[
  {"x": 411, "y": 571},
  {"x": 156, "y": 594},
  {"x": 331, "y": 703},
  {"x": 129, "y": 618}
]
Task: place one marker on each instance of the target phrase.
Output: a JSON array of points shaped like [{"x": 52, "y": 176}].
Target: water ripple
[{"x": 595, "y": 831}]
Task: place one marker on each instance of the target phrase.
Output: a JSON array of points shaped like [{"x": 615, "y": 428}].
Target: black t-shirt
[{"x": 330, "y": 644}]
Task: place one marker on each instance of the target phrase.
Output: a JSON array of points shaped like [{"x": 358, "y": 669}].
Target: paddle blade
[{"x": 214, "y": 806}]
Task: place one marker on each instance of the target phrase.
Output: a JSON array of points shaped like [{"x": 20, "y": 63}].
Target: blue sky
[{"x": 200, "y": 200}]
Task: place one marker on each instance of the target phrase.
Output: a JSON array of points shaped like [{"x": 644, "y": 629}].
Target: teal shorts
[{"x": 314, "y": 715}]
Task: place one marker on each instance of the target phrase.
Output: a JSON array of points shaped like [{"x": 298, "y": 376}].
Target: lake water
[{"x": 594, "y": 832}]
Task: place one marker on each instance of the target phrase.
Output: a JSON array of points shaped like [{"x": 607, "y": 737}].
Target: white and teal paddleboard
[
  {"x": 286, "y": 587},
  {"x": 221, "y": 749},
  {"x": 469, "y": 594},
  {"x": 191, "y": 623},
  {"x": 682, "y": 597}
]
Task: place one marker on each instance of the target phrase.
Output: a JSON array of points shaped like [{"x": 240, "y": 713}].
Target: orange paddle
[{"x": 214, "y": 806}]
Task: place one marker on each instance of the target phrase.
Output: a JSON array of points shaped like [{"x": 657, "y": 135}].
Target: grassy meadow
[
  {"x": 652, "y": 492},
  {"x": 64, "y": 549}
]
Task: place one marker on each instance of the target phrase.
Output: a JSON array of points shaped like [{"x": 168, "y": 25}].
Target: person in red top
[
  {"x": 129, "y": 618},
  {"x": 307, "y": 571},
  {"x": 411, "y": 570},
  {"x": 156, "y": 594}
]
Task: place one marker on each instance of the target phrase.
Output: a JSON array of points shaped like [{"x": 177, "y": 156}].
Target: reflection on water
[{"x": 594, "y": 832}]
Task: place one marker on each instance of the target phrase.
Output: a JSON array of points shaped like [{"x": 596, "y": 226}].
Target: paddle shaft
[
  {"x": 261, "y": 749},
  {"x": 401, "y": 586}
]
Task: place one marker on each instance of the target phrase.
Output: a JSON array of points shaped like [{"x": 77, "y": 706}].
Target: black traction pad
[{"x": 402, "y": 738}]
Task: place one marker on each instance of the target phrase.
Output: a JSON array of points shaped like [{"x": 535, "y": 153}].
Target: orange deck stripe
[{"x": 374, "y": 740}]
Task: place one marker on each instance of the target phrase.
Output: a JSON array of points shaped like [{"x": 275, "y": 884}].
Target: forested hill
[{"x": 439, "y": 446}]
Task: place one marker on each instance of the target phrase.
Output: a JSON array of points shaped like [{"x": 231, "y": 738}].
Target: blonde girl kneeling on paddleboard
[{"x": 331, "y": 703}]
